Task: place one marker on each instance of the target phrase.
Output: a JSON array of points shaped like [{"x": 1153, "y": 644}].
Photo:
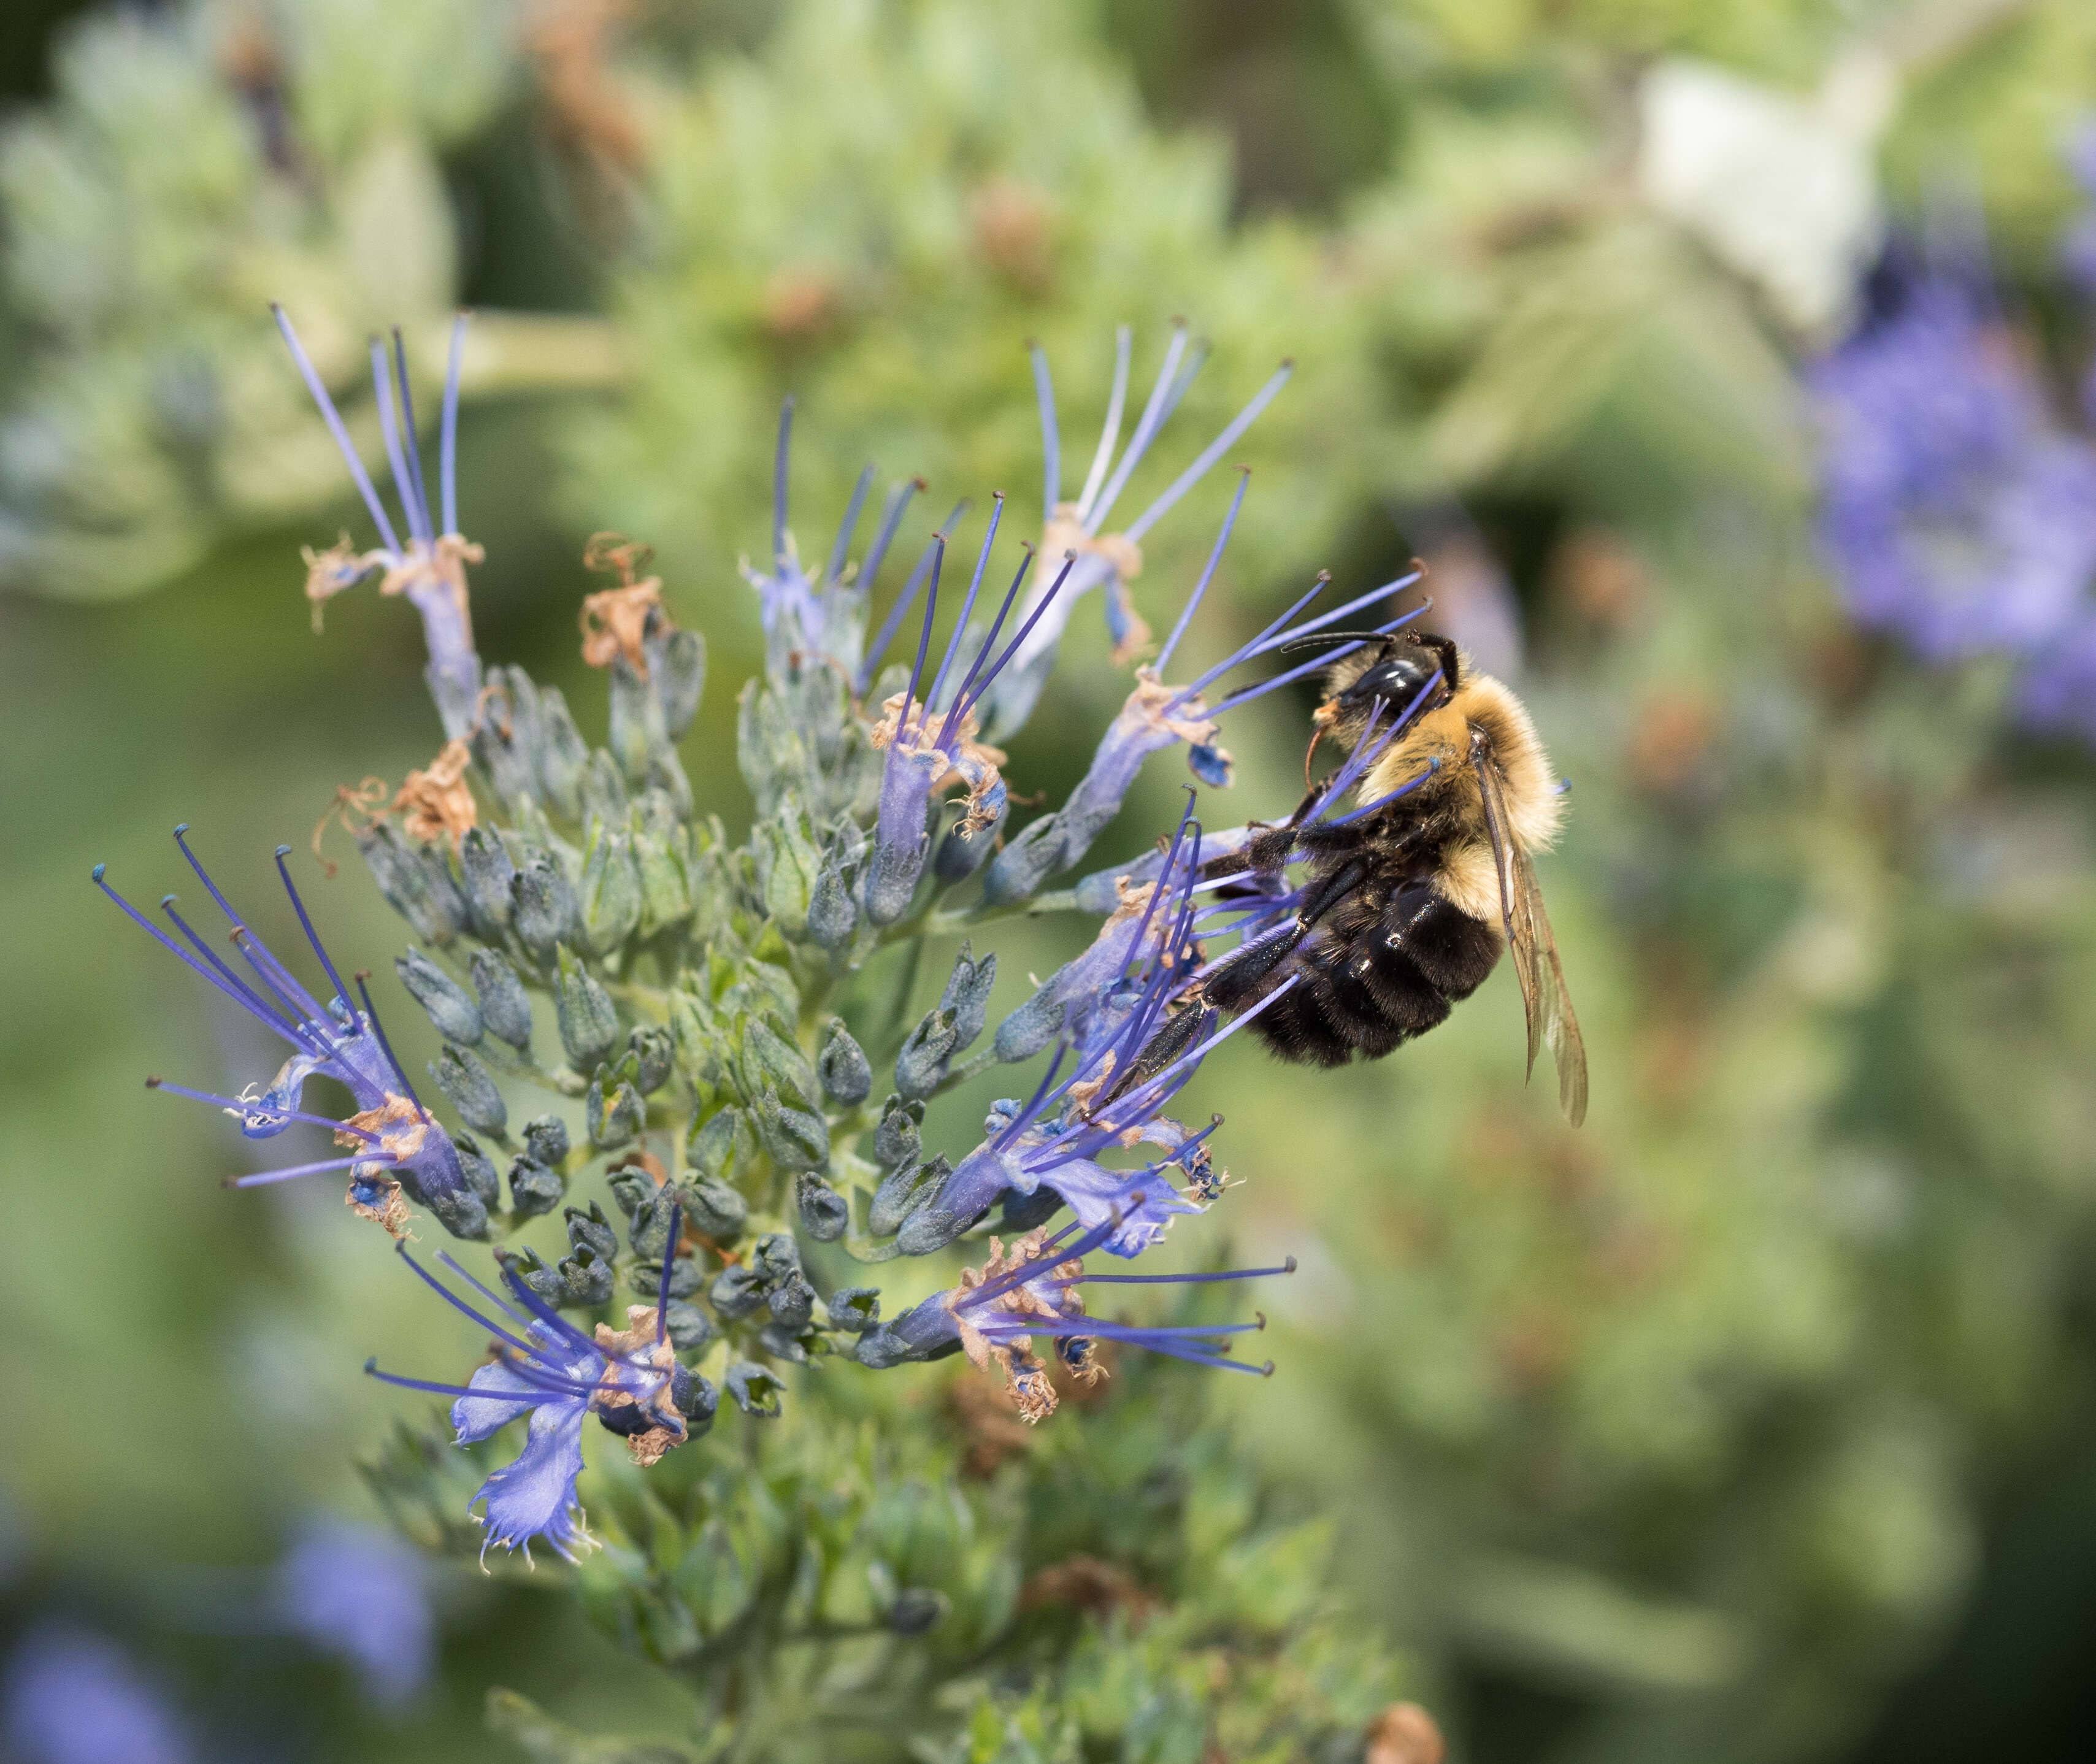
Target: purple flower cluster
[{"x": 1957, "y": 506}]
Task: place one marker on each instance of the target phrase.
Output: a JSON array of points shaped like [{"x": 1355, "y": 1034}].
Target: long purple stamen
[
  {"x": 845, "y": 528},
  {"x": 1052, "y": 439},
  {"x": 459, "y": 1304},
  {"x": 961, "y": 699},
  {"x": 924, "y": 640},
  {"x": 1210, "y": 454},
  {"x": 291, "y": 1029},
  {"x": 389, "y": 426},
  {"x": 1139, "y": 1103},
  {"x": 778, "y": 483},
  {"x": 1201, "y": 587},
  {"x": 1402, "y": 790},
  {"x": 267, "y": 1176},
  {"x": 1287, "y": 1267},
  {"x": 1110, "y": 431},
  {"x": 333, "y": 417},
  {"x": 1032, "y": 618},
  {"x": 896, "y": 613},
  {"x": 1261, "y": 689},
  {"x": 968, "y": 605},
  {"x": 313, "y": 936},
  {"x": 1146, "y": 426},
  {"x": 891, "y": 517},
  {"x": 175, "y": 949},
  {"x": 447, "y": 446},
  {"x": 669, "y": 1265},
  {"x": 417, "y": 490},
  {"x": 1201, "y": 680}
]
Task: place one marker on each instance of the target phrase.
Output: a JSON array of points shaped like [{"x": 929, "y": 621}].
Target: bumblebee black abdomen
[{"x": 1381, "y": 970}]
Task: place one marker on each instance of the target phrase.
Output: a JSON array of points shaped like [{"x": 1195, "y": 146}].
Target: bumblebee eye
[{"x": 1398, "y": 679}]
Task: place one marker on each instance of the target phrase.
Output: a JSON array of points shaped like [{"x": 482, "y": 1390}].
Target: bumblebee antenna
[{"x": 1327, "y": 636}]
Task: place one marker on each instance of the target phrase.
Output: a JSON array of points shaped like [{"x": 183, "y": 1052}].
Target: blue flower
[
  {"x": 70, "y": 1696},
  {"x": 545, "y": 1367},
  {"x": 1131, "y": 1029},
  {"x": 823, "y": 614},
  {"x": 357, "y": 1591},
  {"x": 1106, "y": 560},
  {"x": 430, "y": 568},
  {"x": 1157, "y": 716},
  {"x": 1955, "y": 513},
  {"x": 1034, "y": 1289},
  {"x": 395, "y": 1150}
]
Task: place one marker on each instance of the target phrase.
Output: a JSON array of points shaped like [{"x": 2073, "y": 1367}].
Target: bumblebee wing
[{"x": 1533, "y": 944}]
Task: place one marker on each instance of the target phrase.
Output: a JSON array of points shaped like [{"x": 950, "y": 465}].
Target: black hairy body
[{"x": 1406, "y": 910}]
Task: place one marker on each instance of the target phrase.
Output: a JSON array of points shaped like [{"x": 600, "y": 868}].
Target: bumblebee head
[{"x": 1395, "y": 671}]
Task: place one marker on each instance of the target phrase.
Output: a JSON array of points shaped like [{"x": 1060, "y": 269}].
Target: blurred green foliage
[{"x": 1685, "y": 1436}]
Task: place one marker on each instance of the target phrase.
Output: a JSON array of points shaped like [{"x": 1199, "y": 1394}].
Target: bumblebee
[{"x": 1405, "y": 908}]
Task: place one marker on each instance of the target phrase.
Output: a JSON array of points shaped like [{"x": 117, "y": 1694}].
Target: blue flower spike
[
  {"x": 429, "y": 567},
  {"x": 393, "y": 1148}
]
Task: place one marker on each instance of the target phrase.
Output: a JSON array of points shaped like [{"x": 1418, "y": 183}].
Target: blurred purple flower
[
  {"x": 1955, "y": 512},
  {"x": 70, "y": 1696},
  {"x": 357, "y": 1592}
]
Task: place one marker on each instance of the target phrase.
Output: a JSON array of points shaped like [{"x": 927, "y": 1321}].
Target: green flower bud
[
  {"x": 544, "y": 912},
  {"x": 717, "y": 1212},
  {"x": 603, "y": 792},
  {"x": 546, "y": 1139},
  {"x": 795, "y": 1139},
  {"x": 465, "y": 1083},
  {"x": 823, "y": 1211},
  {"x": 855, "y": 1309},
  {"x": 966, "y": 994},
  {"x": 789, "y": 860},
  {"x": 900, "y": 1194},
  {"x": 635, "y": 727},
  {"x": 690, "y": 1330},
  {"x": 615, "y": 1119},
  {"x": 589, "y": 1023},
  {"x": 587, "y": 1278},
  {"x": 417, "y": 881},
  {"x": 757, "y": 1392},
  {"x": 770, "y": 1062},
  {"x": 489, "y": 876},
  {"x": 842, "y": 1068},
  {"x": 480, "y": 1172},
  {"x": 504, "y": 1006},
  {"x": 592, "y": 1231},
  {"x": 610, "y": 892},
  {"x": 450, "y": 1006},
  {"x": 896, "y": 1140},
  {"x": 532, "y": 1188},
  {"x": 563, "y": 754},
  {"x": 653, "y": 1050},
  {"x": 666, "y": 883},
  {"x": 678, "y": 672}
]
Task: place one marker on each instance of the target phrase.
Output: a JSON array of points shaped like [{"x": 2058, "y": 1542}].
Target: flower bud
[
  {"x": 593, "y": 1231},
  {"x": 545, "y": 913},
  {"x": 792, "y": 1302},
  {"x": 842, "y": 1067},
  {"x": 532, "y": 1188},
  {"x": 722, "y": 1145},
  {"x": 648, "y": 1228},
  {"x": 823, "y": 1211},
  {"x": 588, "y": 1278},
  {"x": 508, "y": 736},
  {"x": 479, "y": 1171},
  {"x": 610, "y": 892},
  {"x": 603, "y": 792},
  {"x": 931, "y": 1227},
  {"x": 775, "y": 1256},
  {"x": 896, "y": 1140},
  {"x": 757, "y": 1392},
  {"x": 966, "y": 994},
  {"x": 788, "y": 862},
  {"x": 855, "y": 1309},
  {"x": 466, "y": 1084},
  {"x": 589, "y": 1024},
  {"x": 695, "y": 1398},
  {"x": 770, "y": 1062},
  {"x": 450, "y": 1006},
  {"x": 563, "y": 754},
  {"x": 530, "y": 1267},
  {"x": 489, "y": 875},
  {"x": 666, "y": 883},
  {"x": 678, "y": 672},
  {"x": 690, "y": 1330},
  {"x": 633, "y": 1188},
  {"x": 462, "y": 1211},
  {"x": 922, "y": 1064},
  {"x": 653, "y": 1050},
  {"x": 635, "y": 720},
  {"x": 614, "y": 1120},
  {"x": 891, "y": 881},
  {"x": 736, "y": 1293},
  {"x": 902, "y": 1193},
  {"x": 1032, "y": 1027},
  {"x": 832, "y": 913},
  {"x": 715, "y": 1211},
  {"x": 796, "y": 1139},
  {"x": 505, "y": 1008},
  {"x": 546, "y": 1139},
  {"x": 686, "y": 1278},
  {"x": 417, "y": 882}
]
